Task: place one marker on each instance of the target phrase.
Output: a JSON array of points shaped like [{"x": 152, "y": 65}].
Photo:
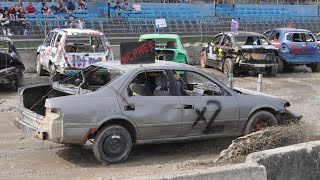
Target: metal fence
[{"x": 126, "y": 26}]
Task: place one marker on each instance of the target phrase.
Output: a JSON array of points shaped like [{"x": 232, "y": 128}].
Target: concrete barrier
[
  {"x": 29, "y": 55},
  {"x": 242, "y": 171},
  {"x": 295, "y": 162}
]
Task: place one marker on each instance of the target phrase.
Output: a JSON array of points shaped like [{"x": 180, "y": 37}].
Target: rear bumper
[
  {"x": 257, "y": 67},
  {"x": 32, "y": 124}
]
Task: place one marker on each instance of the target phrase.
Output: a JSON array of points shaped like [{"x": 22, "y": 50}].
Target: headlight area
[
  {"x": 288, "y": 116},
  {"x": 53, "y": 117}
]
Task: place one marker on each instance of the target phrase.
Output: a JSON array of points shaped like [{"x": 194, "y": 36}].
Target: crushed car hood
[{"x": 251, "y": 92}]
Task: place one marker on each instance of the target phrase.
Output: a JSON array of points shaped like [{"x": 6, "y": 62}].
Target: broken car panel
[
  {"x": 11, "y": 66},
  {"x": 244, "y": 51},
  {"x": 121, "y": 105}
]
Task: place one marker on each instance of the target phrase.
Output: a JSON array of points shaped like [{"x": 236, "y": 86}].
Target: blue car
[{"x": 295, "y": 46}]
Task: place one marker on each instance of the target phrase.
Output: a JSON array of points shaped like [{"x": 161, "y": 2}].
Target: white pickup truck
[{"x": 67, "y": 50}]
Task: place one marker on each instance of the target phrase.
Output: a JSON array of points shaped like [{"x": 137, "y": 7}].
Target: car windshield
[
  {"x": 165, "y": 43},
  {"x": 95, "y": 77},
  {"x": 251, "y": 40}
]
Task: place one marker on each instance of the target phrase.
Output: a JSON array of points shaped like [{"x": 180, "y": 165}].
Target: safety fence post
[{"x": 259, "y": 84}]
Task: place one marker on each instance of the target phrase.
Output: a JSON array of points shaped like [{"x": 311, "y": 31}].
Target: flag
[{"x": 234, "y": 25}]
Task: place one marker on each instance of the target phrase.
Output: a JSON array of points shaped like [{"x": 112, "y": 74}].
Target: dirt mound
[{"x": 270, "y": 138}]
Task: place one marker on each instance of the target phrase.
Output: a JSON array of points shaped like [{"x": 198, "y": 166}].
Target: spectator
[
  {"x": 70, "y": 5},
  {"x": 5, "y": 23},
  {"x": 136, "y": 6},
  {"x": 11, "y": 8},
  {"x": 1, "y": 9},
  {"x": 126, "y": 6},
  {"x": 21, "y": 7},
  {"x": 82, "y": 4},
  {"x": 30, "y": 9},
  {"x": 73, "y": 23},
  {"x": 45, "y": 9},
  {"x": 117, "y": 6},
  {"x": 62, "y": 9}
]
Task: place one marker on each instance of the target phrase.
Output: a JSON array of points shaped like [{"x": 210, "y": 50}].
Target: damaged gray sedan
[{"x": 117, "y": 106}]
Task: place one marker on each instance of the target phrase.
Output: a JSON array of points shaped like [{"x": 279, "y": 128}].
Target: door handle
[
  {"x": 129, "y": 108},
  {"x": 188, "y": 106}
]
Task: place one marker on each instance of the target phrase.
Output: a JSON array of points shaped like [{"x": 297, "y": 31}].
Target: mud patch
[
  {"x": 8, "y": 105},
  {"x": 270, "y": 138}
]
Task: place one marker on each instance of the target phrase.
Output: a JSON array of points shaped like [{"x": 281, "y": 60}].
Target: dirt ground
[{"x": 25, "y": 157}]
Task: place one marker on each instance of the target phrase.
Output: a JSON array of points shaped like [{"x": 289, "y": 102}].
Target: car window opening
[
  {"x": 194, "y": 84},
  {"x": 84, "y": 44},
  {"x": 152, "y": 83},
  {"x": 251, "y": 40},
  {"x": 95, "y": 78}
]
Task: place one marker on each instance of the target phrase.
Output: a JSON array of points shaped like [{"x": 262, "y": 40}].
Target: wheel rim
[
  {"x": 114, "y": 145},
  {"x": 203, "y": 59},
  {"x": 263, "y": 121}
]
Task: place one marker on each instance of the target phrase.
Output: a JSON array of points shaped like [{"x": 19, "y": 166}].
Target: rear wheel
[
  {"x": 260, "y": 120},
  {"x": 315, "y": 67},
  {"x": 203, "y": 59},
  {"x": 280, "y": 64},
  {"x": 39, "y": 69},
  {"x": 112, "y": 144}
]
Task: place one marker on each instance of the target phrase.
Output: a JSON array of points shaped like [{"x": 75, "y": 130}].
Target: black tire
[
  {"x": 203, "y": 59},
  {"x": 117, "y": 136},
  {"x": 39, "y": 68},
  {"x": 280, "y": 64},
  {"x": 315, "y": 67},
  {"x": 54, "y": 73},
  {"x": 273, "y": 72},
  {"x": 227, "y": 66},
  {"x": 259, "y": 120}
]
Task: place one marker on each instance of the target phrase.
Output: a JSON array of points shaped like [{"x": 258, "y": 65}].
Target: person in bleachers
[
  {"x": 73, "y": 22},
  {"x": 126, "y": 6},
  {"x": 20, "y": 5},
  {"x": 5, "y": 23},
  {"x": 18, "y": 20},
  {"x": 70, "y": 5},
  {"x": 45, "y": 9},
  {"x": 11, "y": 8},
  {"x": 117, "y": 6},
  {"x": 62, "y": 9},
  {"x": 82, "y": 4},
  {"x": 136, "y": 6},
  {"x": 30, "y": 9}
]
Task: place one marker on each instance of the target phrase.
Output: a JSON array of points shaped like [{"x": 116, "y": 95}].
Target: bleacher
[{"x": 180, "y": 17}]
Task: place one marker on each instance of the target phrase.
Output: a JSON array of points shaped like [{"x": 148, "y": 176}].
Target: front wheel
[
  {"x": 227, "y": 65},
  {"x": 112, "y": 144},
  {"x": 280, "y": 64},
  {"x": 315, "y": 67},
  {"x": 203, "y": 59},
  {"x": 39, "y": 69},
  {"x": 260, "y": 120}
]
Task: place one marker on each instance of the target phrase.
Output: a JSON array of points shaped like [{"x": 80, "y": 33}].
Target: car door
[
  {"x": 296, "y": 44},
  {"x": 153, "y": 105},
  {"x": 213, "y": 50},
  {"x": 311, "y": 47},
  {"x": 208, "y": 108}
]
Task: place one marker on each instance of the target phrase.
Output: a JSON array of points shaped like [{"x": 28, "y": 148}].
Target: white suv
[{"x": 67, "y": 50}]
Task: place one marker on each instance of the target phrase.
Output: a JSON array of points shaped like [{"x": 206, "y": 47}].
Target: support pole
[{"x": 259, "y": 84}]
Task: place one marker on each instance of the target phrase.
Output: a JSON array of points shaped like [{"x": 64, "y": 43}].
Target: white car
[{"x": 67, "y": 50}]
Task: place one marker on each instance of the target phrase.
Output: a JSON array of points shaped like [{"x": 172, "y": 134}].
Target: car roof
[
  {"x": 156, "y": 65},
  {"x": 243, "y": 33},
  {"x": 159, "y": 36},
  {"x": 291, "y": 30},
  {"x": 75, "y": 30}
]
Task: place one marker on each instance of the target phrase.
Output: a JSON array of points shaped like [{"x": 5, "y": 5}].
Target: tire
[
  {"x": 203, "y": 59},
  {"x": 273, "y": 72},
  {"x": 315, "y": 67},
  {"x": 280, "y": 64},
  {"x": 260, "y": 120},
  {"x": 39, "y": 68},
  {"x": 117, "y": 136},
  {"x": 227, "y": 66},
  {"x": 53, "y": 72}
]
